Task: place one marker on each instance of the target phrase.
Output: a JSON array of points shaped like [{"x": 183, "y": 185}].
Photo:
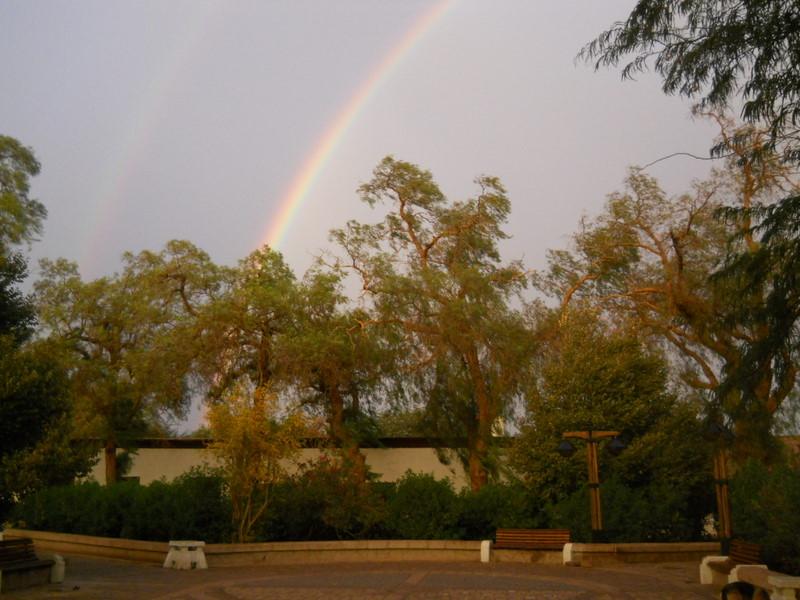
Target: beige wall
[{"x": 151, "y": 464}]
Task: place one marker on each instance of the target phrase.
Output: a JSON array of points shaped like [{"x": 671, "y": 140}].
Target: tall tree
[
  {"x": 592, "y": 375},
  {"x": 724, "y": 52},
  {"x": 35, "y": 445},
  {"x": 240, "y": 326},
  {"x": 336, "y": 362},
  {"x": 120, "y": 334},
  {"x": 649, "y": 257},
  {"x": 431, "y": 269}
]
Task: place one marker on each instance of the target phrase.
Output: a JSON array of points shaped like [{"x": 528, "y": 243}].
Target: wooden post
[
  {"x": 723, "y": 498},
  {"x": 592, "y": 439},
  {"x": 594, "y": 487}
]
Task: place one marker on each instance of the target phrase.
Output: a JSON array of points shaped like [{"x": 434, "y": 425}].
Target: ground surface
[{"x": 117, "y": 580}]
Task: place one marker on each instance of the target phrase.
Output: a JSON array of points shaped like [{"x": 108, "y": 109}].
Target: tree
[
  {"x": 123, "y": 338},
  {"x": 17, "y": 316},
  {"x": 648, "y": 258},
  {"x": 239, "y": 326},
  {"x": 336, "y": 363},
  {"x": 34, "y": 401},
  {"x": 253, "y": 445},
  {"x": 719, "y": 52},
  {"x": 432, "y": 271},
  {"x": 21, "y": 217},
  {"x": 35, "y": 445},
  {"x": 593, "y": 375}
]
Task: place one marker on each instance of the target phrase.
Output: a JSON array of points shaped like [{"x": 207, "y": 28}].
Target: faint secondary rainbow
[{"x": 315, "y": 163}]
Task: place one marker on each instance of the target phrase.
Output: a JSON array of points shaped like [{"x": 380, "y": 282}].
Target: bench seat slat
[{"x": 532, "y": 539}]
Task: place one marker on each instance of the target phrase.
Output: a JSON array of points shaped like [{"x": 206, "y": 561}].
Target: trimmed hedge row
[
  {"x": 325, "y": 502},
  {"x": 193, "y": 506}
]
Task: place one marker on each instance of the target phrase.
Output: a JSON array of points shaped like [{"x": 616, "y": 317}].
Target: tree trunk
[
  {"x": 111, "y": 462},
  {"x": 478, "y": 477},
  {"x": 349, "y": 447},
  {"x": 479, "y": 443}
]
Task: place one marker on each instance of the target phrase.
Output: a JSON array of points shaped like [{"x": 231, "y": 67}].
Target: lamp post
[
  {"x": 592, "y": 439},
  {"x": 720, "y": 436}
]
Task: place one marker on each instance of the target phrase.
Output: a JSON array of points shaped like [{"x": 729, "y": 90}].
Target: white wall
[{"x": 151, "y": 464}]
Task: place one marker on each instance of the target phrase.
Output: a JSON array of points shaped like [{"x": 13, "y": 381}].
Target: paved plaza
[{"x": 102, "y": 579}]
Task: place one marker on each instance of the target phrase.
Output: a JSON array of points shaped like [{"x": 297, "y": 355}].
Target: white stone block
[
  {"x": 706, "y": 574},
  {"x": 566, "y": 554},
  {"x": 186, "y": 554},
  {"x": 486, "y": 551},
  {"x": 58, "y": 570}
]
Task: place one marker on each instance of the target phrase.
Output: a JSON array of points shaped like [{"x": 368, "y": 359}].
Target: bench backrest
[
  {"x": 532, "y": 538},
  {"x": 16, "y": 550},
  {"x": 745, "y": 553}
]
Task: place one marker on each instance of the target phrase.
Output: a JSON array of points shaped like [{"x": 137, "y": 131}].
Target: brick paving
[{"x": 102, "y": 579}]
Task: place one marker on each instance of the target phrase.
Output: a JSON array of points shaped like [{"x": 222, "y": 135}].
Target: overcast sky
[{"x": 190, "y": 119}]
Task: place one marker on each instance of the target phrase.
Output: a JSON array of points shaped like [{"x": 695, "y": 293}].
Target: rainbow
[
  {"x": 324, "y": 148},
  {"x": 141, "y": 127}
]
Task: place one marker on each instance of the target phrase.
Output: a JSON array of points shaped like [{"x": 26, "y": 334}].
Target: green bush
[
  {"x": 193, "y": 506},
  {"x": 497, "y": 505},
  {"x": 326, "y": 500},
  {"x": 656, "y": 512},
  {"x": 765, "y": 503},
  {"x": 423, "y": 508}
]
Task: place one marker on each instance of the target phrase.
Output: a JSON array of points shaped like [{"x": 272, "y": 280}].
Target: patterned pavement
[{"x": 101, "y": 579}]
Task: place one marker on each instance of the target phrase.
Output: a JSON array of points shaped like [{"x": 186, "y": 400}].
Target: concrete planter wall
[
  {"x": 69, "y": 543},
  {"x": 343, "y": 551},
  {"x": 587, "y": 555},
  {"x": 222, "y": 555}
]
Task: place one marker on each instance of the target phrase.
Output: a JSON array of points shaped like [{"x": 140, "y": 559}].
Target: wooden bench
[
  {"x": 532, "y": 539},
  {"x": 19, "y": 565}
]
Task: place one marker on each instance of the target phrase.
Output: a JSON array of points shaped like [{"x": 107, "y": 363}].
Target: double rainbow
[{"x": 314, "y": 164}]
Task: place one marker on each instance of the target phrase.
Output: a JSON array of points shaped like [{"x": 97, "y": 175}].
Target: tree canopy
[
  {"x": 648, "y": 260},
  {"x": 21, "y": 217},
  {"x": 431, "y": 269}
]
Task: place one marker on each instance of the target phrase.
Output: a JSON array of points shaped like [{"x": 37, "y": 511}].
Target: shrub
[
  {"x": 764, "y": 507},
  {"x": 497, "y": 505},
  {"x": 193, "y": 506},
  {"x": 423, "y": 508},
  {"x": 656, "y": 512},
  {"x": 327, "y": 499}
]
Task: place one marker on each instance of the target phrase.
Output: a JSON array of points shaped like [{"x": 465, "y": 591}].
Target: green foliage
[
  {"x": 253, "y": 446},
  {"x": 498, "y": 505},
  {"x": 328, "y": 499},
  {"x": 20, "y": 216},
  {"x": 747, "y": 53},
  {"x": 764, "y": 503},
  {"x": 191, "y": 507},
  {"x": 423, "y": 507},
  {"x": 336, "y": 364},
  {"x": 431, "y": 270},
  {"x": 126, "y": 341},
  {"x": 657, "y": 512},
  {"x": 593, "y": 379},
  {"x": 646, "y": 263},
  {"x": 36, "y": 449},
  {"x": 17, "y": 316}
]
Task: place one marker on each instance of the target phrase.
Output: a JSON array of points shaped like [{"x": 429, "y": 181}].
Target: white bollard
[
  {"x": 566, "y": 555},
  {"x": 486, "y": 551},
  {"x": 58, "y": 569}
]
